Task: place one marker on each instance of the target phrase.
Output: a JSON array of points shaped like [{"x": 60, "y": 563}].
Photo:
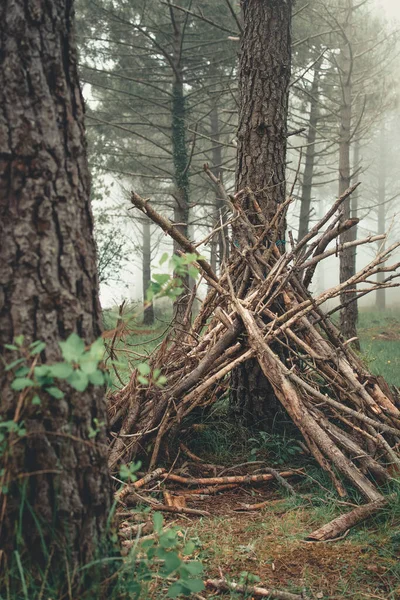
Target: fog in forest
[{"x": 149, "y": 109}]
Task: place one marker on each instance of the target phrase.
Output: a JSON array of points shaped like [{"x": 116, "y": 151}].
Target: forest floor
[{"x": 269, "y": 545}]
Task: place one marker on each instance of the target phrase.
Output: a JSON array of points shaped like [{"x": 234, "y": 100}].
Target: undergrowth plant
[{"x": 161, "y": 563}]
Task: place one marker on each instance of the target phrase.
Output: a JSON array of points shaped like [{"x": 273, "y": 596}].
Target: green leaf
[
  {"x": 164, "y": 258},
  {"x": 158, "y": 522},
  {"x": 161, "y": 553},
  {"x": 21, "y": 383},
  {"x": 78, "y": 380},
  {"x": 189, "y": 549},
  {"x": 10, "y": 347},
  {"x": 55, "y": 392},
  {"x": 190, "y": 257},
  {"x": 177, "y": 291},
  {"x": 73, "y": 348},
  {"x": 97, "y": 350},
  {"x": 61, "y": 370},
  {"x": 42, "y": 370},
  {"x": 194, "y": 567},
  {"x": 144, "y": 369},
  {"x": 34, "y": 344},
  {"x": 37, "y": 349},
  {"x": 143, "y": 380},
  {"x": 96, "y": 378},
  {"x": 88, "y": 365},
  {"x": 168, "y": 539},
  {"x": 162, "y": 278},
  {"x": 193, "y": 585},
  {"x": 172, "y": 562},
  {"x": 14, "y": 364},
  {"x": 155, "y": 287},
  {"x": 19, "y": 340},
  {"x": 147, "y": 545},
  {"x": 21, "y": 372},
  {"x": 175, "y": 589},
  {"x": 162, "y": 380},
  {"x": 36, "y": 401},
  {"x": 193, "y": 272},
  {"x": 125, "y": 473}
]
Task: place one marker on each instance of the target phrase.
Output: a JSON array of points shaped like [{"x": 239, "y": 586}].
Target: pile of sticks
[{"x": 348, "y": 418}]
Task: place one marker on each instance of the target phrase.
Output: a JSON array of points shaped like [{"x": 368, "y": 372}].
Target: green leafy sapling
[
  {"x": 164, "y": 285},
  {"x": 81, "y": 367},
  {"x": 167, "y": 557}
]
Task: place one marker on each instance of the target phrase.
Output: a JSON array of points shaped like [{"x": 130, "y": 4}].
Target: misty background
[{"x": 128, "y": 83}]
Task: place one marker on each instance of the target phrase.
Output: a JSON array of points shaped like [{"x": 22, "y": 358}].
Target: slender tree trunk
[
  {"x": 349, "y": 314},
  {"x": 381, "y": 294},
  {"x": 352, "y": 254},
  {"x": 180, "y": 155},
  {"x": 148, "y": 315},
  {"x": 220, "y": 243},
  {"x": 59, "y": 492},
  {"x": 265, "y": 65},
  {"x": 306, "y": 190}
]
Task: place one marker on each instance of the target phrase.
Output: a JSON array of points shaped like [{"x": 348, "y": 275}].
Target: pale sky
[{"x": 392, "y": 7}]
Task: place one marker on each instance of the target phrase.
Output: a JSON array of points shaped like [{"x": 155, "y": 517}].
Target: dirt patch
[
  {"x": 271, "y": 545},
  {"x": 389, "y": 336}
]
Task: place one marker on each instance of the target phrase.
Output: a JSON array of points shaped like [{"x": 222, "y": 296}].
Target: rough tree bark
[
  {"x": 57, "y": 478},
  {"x": 148, "y": 315},
  {"x": 265, "y": 65},
  {"x": 349, "y": 314},
  {"x": 306, "y": 188}
]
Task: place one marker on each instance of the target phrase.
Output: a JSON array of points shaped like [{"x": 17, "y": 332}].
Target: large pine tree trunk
[
  {"x": 306, "y": 188},
  {"x": 59, "y": 491},
  {"x": 265, "y": 65}
]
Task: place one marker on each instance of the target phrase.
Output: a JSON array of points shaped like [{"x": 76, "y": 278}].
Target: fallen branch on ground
[
  {"x": 140, "y": 483},
  {"x": 250, "y": 590},
  {"x": 227, "y": 480},
  {"x": 341, "y": 524},
  {"x": 181, "y": 510}
]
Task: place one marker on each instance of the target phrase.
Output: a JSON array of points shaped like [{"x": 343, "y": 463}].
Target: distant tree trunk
[
  {"x": 382, "y": 173},
  {"x": 148, "y": 315},
  {"x": 59, "y": 492},
  {"x": 180, "y": 155},
  {"x": 265, "y": 65},
  {"x": 306, "y": 189},
  {"x": 349, "y": 314},
  {"x": 220, "y": 243}
]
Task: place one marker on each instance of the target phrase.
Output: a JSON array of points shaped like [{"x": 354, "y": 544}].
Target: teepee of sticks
[{"x": 349, "y": 419}]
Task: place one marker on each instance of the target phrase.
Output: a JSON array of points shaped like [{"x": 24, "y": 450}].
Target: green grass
[{"x": 379, "y": 334}]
